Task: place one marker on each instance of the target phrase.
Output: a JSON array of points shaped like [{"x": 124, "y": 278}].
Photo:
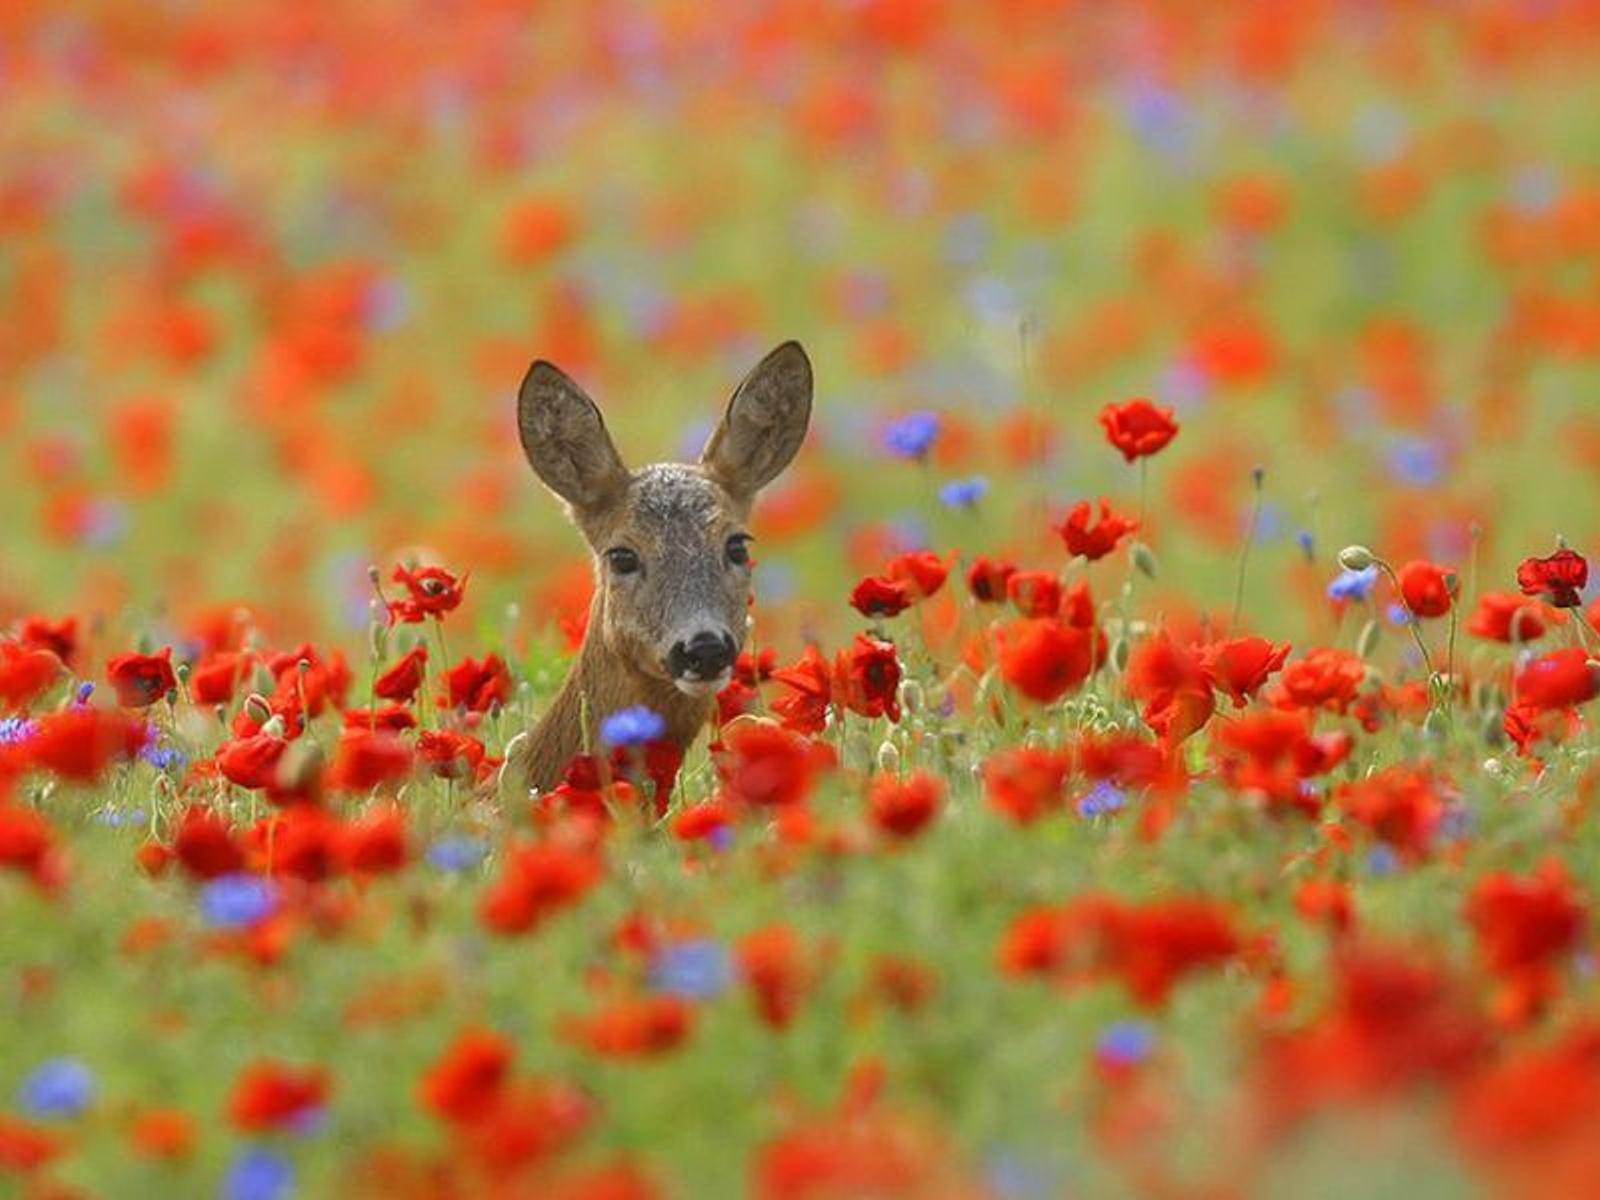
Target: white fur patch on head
[{"x": 701, "y": 688}]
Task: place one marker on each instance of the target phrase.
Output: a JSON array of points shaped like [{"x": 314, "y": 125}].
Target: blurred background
[{"x": 270, "y": 274}]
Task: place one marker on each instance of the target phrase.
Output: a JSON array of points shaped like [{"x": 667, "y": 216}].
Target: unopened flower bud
[
  {"x": 257, "y": 708},
  {"x": 889, "y": 758},
  {"x": 1145, "y": 559},
  {"x": 1356, "y": 558}
]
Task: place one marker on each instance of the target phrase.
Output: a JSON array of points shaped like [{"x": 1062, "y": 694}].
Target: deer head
[{"x": 670, "y": 541}]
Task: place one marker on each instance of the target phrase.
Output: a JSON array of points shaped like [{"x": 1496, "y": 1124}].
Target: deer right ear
[{"x": 565, "y": 439}]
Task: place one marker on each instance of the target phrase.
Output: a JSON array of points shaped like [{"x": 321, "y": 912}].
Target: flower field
[{"x": 1162, "y": 758}]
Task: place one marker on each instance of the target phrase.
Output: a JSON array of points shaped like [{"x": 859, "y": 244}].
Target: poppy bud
[
  {"x": 1145, "y": 559},
  {"x": 257, "y": 708},
  {"x": 889, "y": 758},
  {"x": 1368, "y": 641},
  {"x": 1119, "y": 655},
  {"x": 1356, "y": 558},
  {"x": 911, "y": 696},
  {"x": 273, "y": 726},
  {"x": 373, "y": 574}
]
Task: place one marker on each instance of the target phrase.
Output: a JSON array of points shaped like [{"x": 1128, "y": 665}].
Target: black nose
[{"x": 704, "y": 656}]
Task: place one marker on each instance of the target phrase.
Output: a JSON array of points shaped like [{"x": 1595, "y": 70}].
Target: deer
[{"x": 671, "y": 556}]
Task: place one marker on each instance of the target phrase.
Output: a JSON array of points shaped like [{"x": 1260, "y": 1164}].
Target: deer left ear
[{"x": 765, "y": 423}]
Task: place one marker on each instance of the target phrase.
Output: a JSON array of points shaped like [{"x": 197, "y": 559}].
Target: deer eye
[
  {"x": 623, "y": 561},
  {"x": 739, "y": 550}
]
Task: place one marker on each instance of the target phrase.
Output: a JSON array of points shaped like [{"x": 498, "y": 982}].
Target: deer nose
[{"x": 704, "y": 656}]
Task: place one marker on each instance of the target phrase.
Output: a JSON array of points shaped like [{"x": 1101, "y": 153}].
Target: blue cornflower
[
  {"x": 1416, "y": 461},
  {"x": 721, "y": 839},
  {"x": 238, "y": 901},
  {"x": 61, "y": 1087},
  {"x": 16, "y": 729},
  {"x": 1353, "y": 585},
  {"x": 1125, "y": 1043},
  {"x": 258, "y": 1174},
  {"x": 459, "y": 853},
  {"x": 81, "y": 696},
  {"x": 1382, "y": 860},
  {"x": 1398, "y": 614},
  {"x": 912, "y": 435},
  {"x": 963, "y": 493},
  {"x": 1102, "y": 798},
  {"x": 632, "y": 726},
  {"x": 695, "y": 970},
  {"x": 1307, "y": 543},
  {"x": 162, "y": 757}
]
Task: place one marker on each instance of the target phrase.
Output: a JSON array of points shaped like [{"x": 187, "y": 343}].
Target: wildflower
[
  {"x": 252, "y": 762},
  {"x": 466, "y": 1081},
  {"x": 1560, "y": 578},
  {"x": 25, "y": 674},
  {"x": 866, "y": 678},
  {"x": 1561, "y": 679},
  {"x": 1173, "y": 685},
  {"x": 368, "y": 759},
  {"x": 765, "y": 765},
  {"x": 696, "y": 970},
  {"x": 964, "y": 493},
  {"x": 59, "y": 1087},
  {"x": 1428, "y": 589},
  {"x": 803, "y": 708},
  {"x": 878, "y": 596},
  {"x": 912, "y": 435},
  {"x": 163, "y": 1133},
  {"x": 433, "y": 591},
  {"x": 1353, "y": 585},
  {"x": 1103, "y": 798},
  {"x": 141, "y": 679},
  {"x": 1125, "y": 1043},
  {"x": 1527, "y": 926},
  {"x": 1508, "y": 617},
  {"x": 537, "y": 881},
  {"x": 987, "y": 579},
  {"x": 272, "y": 1095},
  {"x": 1324, "y": 678},
  {"x": 1095, "y": 541},
  {"x": 456, "y": 853},
  {"x": 205, "y": 845},
  {"x": 401, "y": 681},
  {"x": 80, "y": 743},
  {"x": 1045, "y": 659},
  {"x": 923, "y": 571},
  {"x": 217, "y": 676},
  {"x": 632, "y": 726},
  {"x": 376, "y": 843},
  {"x": 1034, "y": 593},
  {"x": 771, "y": 962},
  {"x": 1241, "y": 666},
  {"x": 58, "y": 637},
  {"x": 634, "y": 1027},
  {"x": 450, "y": 754},
  {"x": 903, "y": 807},
  {"x": 1026, "y": 782},
  {"x": 258, "y": 1174},
  {"x": 478, "y": 686},
  {"x": 238, "y": 901},
  {"x": 1138, "y": 428},
  {"x": 1401, "y": 805}
]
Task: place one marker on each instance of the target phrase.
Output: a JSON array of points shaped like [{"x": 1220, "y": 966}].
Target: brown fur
[{"x": 678, "y": 520}]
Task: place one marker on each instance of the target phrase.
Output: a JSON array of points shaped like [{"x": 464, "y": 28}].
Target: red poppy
[
  {"x": 1241, "y": 666},
  {"x": 1034, "y": 593},
  {"x": 28, "y": 845},
  {"x": 401, "y": 681},
  {"x": 252, "y": 762},
  {"x": 1559, "y": 578},
  {"x": 217, "y": 676},
  {"x": 433, "y": 592},
  {"x": 1561, "y": 679},
  {"x": 1026, "y": 782},
  {"x": 58, "y": 637},
  {"x": 25, "y": 675},
  {"x": 141, "y": 679},
  {"x": 1324, "y": 678},
  {"x": 367, "y": 759},
  {"x": 1508, "y": 617},
  {"x": 205, "y": 845},
  {"x": 1095, "y": 541},
  {"x": 902, "y": 808},
  {"x": 1527, "y": 926},
  {"x": 79, "y": 743},
  {"x": 634, "y": 1027},
  {"x": 1401, "y": 805},
  {"x": 25, "y": 1147},
  {"x": 536, "y": 881},
  {"x": 450, "y": 754},
  {"x": 1044, "y": 660},
  {"x": 531, "y": 1120},
  {"x": 1173, "y": 685},
  {"x": 1137, "y": 427},
  {"x": 804, "y": 707},
  {"x": 923, "y": 570},
  {"x": 877, "y": 596},
  {"x": 465, "y": 1082},
  {"x": 1154, "y": 945},
  {"x": 866, "y": 678},
  {"x": 987, "y": 579},
  {"x": 1326, "y": 902},
  {"x": 272, "y": 1095},
  {"x": 375, "y": 843},
  {"x": 478, "y": 685},
  {"x": 765, "y": 765},
  {"x": 390, "y": 718},
  {"x": 772, "y": 963},
  {"x": 1427, "y": 588},
  {"x": 163, "y": 1133}
]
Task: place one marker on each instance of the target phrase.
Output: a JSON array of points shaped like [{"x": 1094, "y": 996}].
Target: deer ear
[
  {"x": 565, "y": 439},
  {"x": 764, "y": 425}
]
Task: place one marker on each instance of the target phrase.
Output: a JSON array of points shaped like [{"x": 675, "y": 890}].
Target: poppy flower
[
  {"x": 1034, "y": 593},
  {"x": 1529, "y": 923},
  {"x": 450, "y": 754},
  {"x": 922, "y": 570},
  {"x": 28, "y": 844},
  {"x": 375, "y": 843},
  {"x": 390, "y": 718},
  {"x": 634, "y": 1027},
  {"x": 1560, "y": 578},
  {"x": 1508, "y": 617},
  {"x": 1138, "y": 428},
  {"x": 772, "y": 963},
  {"x": 466, "y": 1081},
  {"x": 217, "y": 676},
  {"x": 25, "y": 675},
  {"x": 401, "y": 681},
  {"x": 1095, "y": 541},
  {"x": 1044, "y": 660},
  {"x": 902, "y": 808},
  {"x": 536, "y": 881},
  {"x": 163, "y": 1133},
  {"x": 866, "y": 678},
  {"x": 432, "y": 592},
  {"x": 1241, "y": 666},
  {"x": 1402, "y": 806},
  {"x": 1561, "y": 679},
  {"x": 765, "y": 765},
  {"x": 1026, "y": 782},
  {"x": 1324, "y": 678},
  {"x": 987, "y": 579},
  {"x": 252, "y": 762},
  {"x": 272, "y": 1095},
  {"x": 1427, "y": 588},
  {"x": 804, "y": 705},
  {"x": 878, "y": 596},
  {"x": 479, "y": 685},
  {"x": 58, "y": 637},
  {"x": 530, "y": 1120},
  {"x": 141, "y": 679},
  {"x": 1173, "y": 685},
  {"x": 80, "y": 743},
  {"x": 205, "y": 845}
]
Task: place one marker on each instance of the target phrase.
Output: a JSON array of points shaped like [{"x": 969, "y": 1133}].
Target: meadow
[{"x": 1162, "y": 763}]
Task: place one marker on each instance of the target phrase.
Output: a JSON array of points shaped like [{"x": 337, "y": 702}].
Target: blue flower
[
  {"x": 695, "y": 970},
  {"x": 1307, "y": 543},
  {"x": 1353, "y": 585},
  {"x": 913, "y": 435},
  {"x": 963, "y": 493},
  {"x": 632, "y": 726},
  {"x": 16, "y": 729},
  {"x": 162, "y": 757},
  {"x": 1382, "y": 860},
  {"x": 459, "y": 853},
  {"x": 258, "y": 1175},
  {"x": 1417, "y": 462},
  {"x": 61, "y": 1087},
  {"x": 1398, "y": 614},
  {"x": 238, "y": 901},
  {"x": 81, "y": 696},
  {"x": 1102, "y": 798},
  {"x": 1125, "y": 1043}
]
